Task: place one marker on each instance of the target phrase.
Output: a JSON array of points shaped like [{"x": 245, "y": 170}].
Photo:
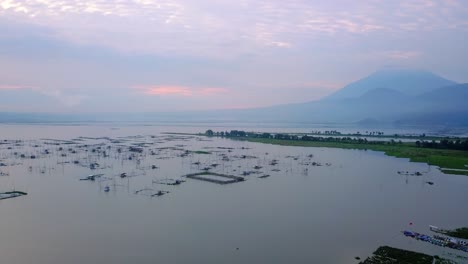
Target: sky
[{"x": 183, "y": 55}]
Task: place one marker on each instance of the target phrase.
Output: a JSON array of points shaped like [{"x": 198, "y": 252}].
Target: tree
[{"x": 209, "y": 133}]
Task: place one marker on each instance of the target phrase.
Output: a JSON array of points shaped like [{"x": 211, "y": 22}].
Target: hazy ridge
[{"x": 398, "y": 97}]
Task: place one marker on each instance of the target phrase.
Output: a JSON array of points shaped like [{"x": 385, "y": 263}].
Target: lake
[{"x": 317, "y": 205}]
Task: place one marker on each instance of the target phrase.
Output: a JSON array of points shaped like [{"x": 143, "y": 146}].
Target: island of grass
[
  {"x": 389, "y": 255},
  {"x": 448, "y": 153}
]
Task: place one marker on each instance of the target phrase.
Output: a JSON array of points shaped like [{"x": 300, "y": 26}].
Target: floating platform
[
  {"x": 215, "y": 177},
  {"x": 441, "y": 241},
  {"x": 13, "y": 194}
]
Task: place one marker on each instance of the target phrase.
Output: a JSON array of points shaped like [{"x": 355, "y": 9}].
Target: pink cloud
[{"x": 168, "y": 90}]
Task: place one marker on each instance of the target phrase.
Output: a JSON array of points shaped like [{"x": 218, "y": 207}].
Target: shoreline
[{"x": 449, "y": 161}]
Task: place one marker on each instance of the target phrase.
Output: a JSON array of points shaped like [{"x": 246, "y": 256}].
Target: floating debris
[
  {"x": 417, "y": 173},
  {"x": 150, "y": 192},
  {"x": 12, "y": 194},
  {"x": 142, "y": 190},
  {"x": 94, "y": 165},
  {"x": 135, "y": 149},
  {"x": 247, "y": 173},
  {"x": 215, "y": 177},
  {"x": 92, "y": 177},
  {"x": 169, "y": 182},
  {"x": 160, "y": 193}
]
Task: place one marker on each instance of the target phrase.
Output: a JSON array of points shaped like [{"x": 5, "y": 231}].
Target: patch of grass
[
  {"x": 448, "y": 171},
  {"x": 444, "y": 158},
  {"x": 459, "y": 232},
  {"x": 389, "y": 255}
]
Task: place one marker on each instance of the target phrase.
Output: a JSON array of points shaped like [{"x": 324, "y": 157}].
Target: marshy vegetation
[{"x": 449, "y": 153}]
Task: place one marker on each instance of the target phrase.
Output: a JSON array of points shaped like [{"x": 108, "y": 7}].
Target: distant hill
[{"x": 409, "y": 82}]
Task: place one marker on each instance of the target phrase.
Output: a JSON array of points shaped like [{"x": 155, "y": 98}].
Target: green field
[{"x": 444, "y": 158}]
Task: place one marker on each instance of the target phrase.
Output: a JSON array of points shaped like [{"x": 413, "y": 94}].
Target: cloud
[
  {"x": 167, "y": 90},
  {"x": 212, "y": 91},
  {"x": 207, "y": 28},
  {"x": 402, "y": 55},
  {"x": 178, "y": 90},
  {"x": 200, "y": 53},
  {"x": 15, "y": 87}
]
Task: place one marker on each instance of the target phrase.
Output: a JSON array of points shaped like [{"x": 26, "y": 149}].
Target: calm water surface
[{"x": 352, "y": 204}]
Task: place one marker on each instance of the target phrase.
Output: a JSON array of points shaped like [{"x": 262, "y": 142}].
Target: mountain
[
  {"x": 455, "y": 95},
  {"x": 410, "y": 82},
  {"x": 389, "y": 96},
  {"x": 443, "y": 106}
]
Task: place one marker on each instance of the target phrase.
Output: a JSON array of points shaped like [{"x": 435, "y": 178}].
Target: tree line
[{"x": 456, "y": 144}]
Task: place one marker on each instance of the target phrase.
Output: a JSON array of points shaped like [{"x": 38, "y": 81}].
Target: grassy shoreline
[
  {"x": 448, "y": 160},
  {"x": 443, "y": 158}
]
